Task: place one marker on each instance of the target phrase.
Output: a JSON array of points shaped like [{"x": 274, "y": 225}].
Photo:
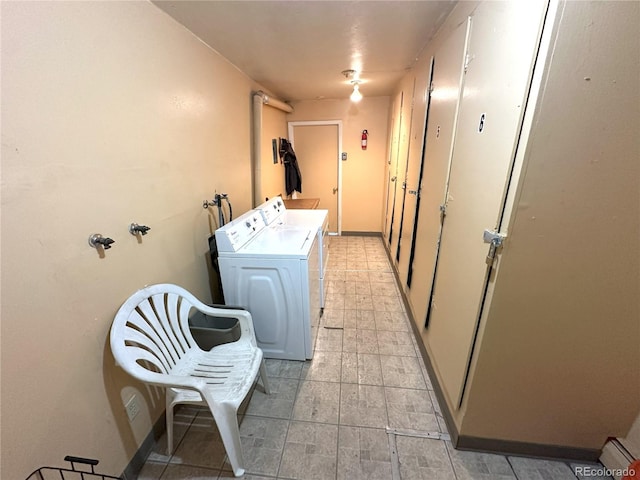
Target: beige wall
[
  {"x": 274, "y": 125},
  {"x": 363, "y": 172},
  {"x": 111, "y": 114}
]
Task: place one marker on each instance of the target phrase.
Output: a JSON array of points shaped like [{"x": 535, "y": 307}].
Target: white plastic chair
[{"x": 151, "y": 340}]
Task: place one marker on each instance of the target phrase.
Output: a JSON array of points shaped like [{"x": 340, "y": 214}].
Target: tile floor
[{"x": 328, "y": 418}]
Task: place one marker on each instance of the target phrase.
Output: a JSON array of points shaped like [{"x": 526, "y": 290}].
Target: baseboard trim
[
  {"x": 137, "y": 462},
  {"x": 361, "y": 234},
  {"x": 509, "y": 447}
]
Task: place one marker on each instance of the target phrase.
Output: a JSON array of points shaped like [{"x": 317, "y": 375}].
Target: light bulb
[{"x": 356, "y": 96}]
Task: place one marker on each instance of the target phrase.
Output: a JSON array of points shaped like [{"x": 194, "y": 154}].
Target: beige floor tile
[
  {"x": 350, "y": 340},
  {"x": 350, "y": 301},
  {"x": 402, "y": 372},
  {"x": 350, "y": 318},
  {"x": 369, "y": 371},
  {"x": 423, "y": 458},
  {"x": 188, "y": 472},
  {"x": 332, "y": 318},
  {"x": 317, "y": 402},
  {"x": 410, "y": 409},
  {"x": 364, "y": 302},
  {"x": 533, "y": 469},
  {"x": 363, "y": 454},
  {"x": 335, "y": 301},
  {"x": 229, "y": 475},
  {"x": 279, "y": 402},
  {"x": 329, "y": 340},
  {"x": 363, "y": 288},
  {"x": 393, "y": 321},
  {"x": 382, "y": 276},
  {"x": 183, "y": 416},
  {"x": 325, "y": 367},
  {"x": 263, "y": 442},
  {"x": 383, "y": 288},
  {"x": 366, "y": 341},
  {"x": 365, "y": 319},
  {"x": 395, "y": 343},
  {"x": 359, "y": 275},
  {"x": 310, "y": 452},
  {"x": 283, "y": 368},
  {"x": 363, "y": 406},
  {"x": 349, "y": 367},
  {"x": 201, "y": 445},
  {"x": 388, "y": 303},
  {"x": 479, "y": 466},
  {"x": 153, "y": 471}
]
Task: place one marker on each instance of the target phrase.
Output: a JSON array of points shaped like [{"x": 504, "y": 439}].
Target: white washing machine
[
  {"x": 273, "y": 273},
  {"x": 277, "y": 217}
]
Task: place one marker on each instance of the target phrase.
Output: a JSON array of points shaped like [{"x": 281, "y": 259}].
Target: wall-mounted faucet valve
[
  {"x": 97, "y": 239},
  {"x": 135, "y": 229}
]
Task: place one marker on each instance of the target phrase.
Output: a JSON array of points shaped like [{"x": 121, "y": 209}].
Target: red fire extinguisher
[{"x": 365, "y": 134}]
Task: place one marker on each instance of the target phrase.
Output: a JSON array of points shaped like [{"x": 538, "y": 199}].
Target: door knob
[{"x": 335, "y": 189}]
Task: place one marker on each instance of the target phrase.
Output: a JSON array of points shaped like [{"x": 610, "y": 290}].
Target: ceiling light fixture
[
  {"x": 354, "y": 78},
  {"x": 356, "y": 96}
]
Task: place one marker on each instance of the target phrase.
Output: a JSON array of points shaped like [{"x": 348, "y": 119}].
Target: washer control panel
[
  {"x": 272, "y": 209},
  {"x": 237, "y": 233}
]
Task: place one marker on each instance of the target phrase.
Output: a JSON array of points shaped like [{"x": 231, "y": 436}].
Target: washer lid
[
  {"x": 289, "y": 243},
  {"x": 305, "y": 218}
]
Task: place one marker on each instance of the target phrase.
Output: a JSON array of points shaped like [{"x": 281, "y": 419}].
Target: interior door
[
  {"x": 405, "y": 150},
  {"x": 401, "y": 169},
  {"x": 415, "y": 167},
  {"x": 448, "y": 69},
  {"x": 502, "y": 47},
  {"x": 392, "y": 172},
  {"x": 317, "y": 147}
]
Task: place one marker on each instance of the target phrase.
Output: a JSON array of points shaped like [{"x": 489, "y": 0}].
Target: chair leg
[
  {"x": 226, "y": 419},
  {"x": 263, "y": 376},
  {"x": 169, "y": 415}
]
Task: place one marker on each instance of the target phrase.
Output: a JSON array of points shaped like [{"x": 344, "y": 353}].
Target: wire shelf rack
[{"x": 81, "y": 469}]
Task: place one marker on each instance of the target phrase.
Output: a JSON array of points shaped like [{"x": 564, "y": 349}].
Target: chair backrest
[{"x": 150, "y": 333}]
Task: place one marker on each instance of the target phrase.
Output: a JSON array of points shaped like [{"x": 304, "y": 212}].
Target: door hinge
[{"x": 495, "y": 241}]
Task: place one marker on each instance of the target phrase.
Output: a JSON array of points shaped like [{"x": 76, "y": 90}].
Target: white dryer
[
  {"x": 274, "y": 274},
  {"x": 277, "y": 217}
]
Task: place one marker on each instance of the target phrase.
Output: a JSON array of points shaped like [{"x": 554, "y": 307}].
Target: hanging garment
[{"x": 292, "y": 175}]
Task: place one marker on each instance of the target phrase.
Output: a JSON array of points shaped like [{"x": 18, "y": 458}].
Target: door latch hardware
[
  {"x": 443, "y": 210},
  {"x": 413, "y": 192},
  {"x": 335, "y": 189},
  {"x": 404, "y": 185},
  {"x": 495, "y": 240}
]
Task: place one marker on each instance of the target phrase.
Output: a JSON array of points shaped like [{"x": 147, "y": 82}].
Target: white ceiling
[{"x": 296, "y": 49}]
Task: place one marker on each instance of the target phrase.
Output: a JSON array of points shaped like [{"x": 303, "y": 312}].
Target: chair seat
[{"x": 224, "y": 370}]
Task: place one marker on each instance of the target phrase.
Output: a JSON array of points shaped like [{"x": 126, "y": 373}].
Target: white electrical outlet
[{"x": 132, "y": 407}]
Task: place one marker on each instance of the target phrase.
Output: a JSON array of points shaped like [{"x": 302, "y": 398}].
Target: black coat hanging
[{"x": 292, "y": 175}]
